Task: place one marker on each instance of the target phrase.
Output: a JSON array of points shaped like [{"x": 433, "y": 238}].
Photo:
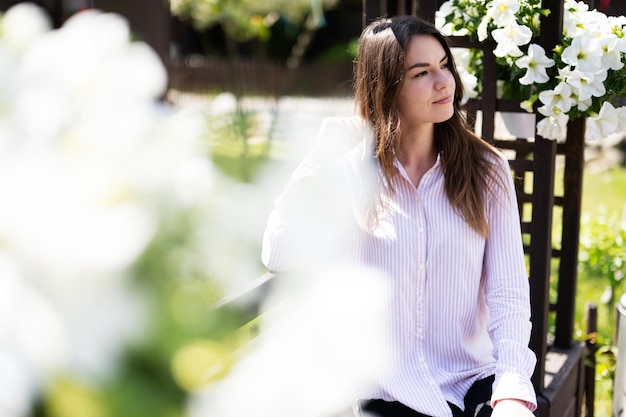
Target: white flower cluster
[
  {"x": 567, "y": 86},
  {"x": 597, "y": 46},
  {"x": 91, "y": 161}
]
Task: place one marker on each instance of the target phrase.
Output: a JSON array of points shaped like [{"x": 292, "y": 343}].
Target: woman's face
[{"x": 427, "y": 92}]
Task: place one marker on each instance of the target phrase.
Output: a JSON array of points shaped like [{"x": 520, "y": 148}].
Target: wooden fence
[{"x": 256, "y": 77}]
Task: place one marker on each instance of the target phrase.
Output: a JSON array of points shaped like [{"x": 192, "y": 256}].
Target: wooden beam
[
  {"x": 544, "y": 156},
  {"x": 572, "y": 208}
]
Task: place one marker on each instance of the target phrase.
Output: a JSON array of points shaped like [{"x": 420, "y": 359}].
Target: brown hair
[{"x": 379, "y": 73}]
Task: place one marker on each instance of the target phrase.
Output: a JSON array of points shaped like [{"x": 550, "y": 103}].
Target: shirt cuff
[{"x": 515, "y": 387}]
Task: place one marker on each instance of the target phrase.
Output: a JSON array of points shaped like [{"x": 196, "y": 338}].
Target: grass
[{"x": 604, "y": 194}]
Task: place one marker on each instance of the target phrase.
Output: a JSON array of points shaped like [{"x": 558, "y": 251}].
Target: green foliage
[
  {"x": 244, "y": 20},
  {"x": 603, "y": 251},
  {"x": 233, "y": 148},
  {"x": 601, "y": 268},
  {"x": 340, "y": 52}
]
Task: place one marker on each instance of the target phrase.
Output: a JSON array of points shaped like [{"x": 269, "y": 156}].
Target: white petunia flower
[
  {"x": 583, "y": 105},
  {"x": 604, "y": 123},
  {"x": 23, "y": 24},
  {"x": 535, "y": 63},
  {"x": 587, "y": 85},
  {"x": 446, "y": 8},
  {"x": 575, "y": 13},
  {"x": 510, "y": 38},
  {"x": 612, "y": 49},
  {"x": 584, "y": 53},
  {"x": 621, "y": 115},
  {"x": 560, "y": 97},
  {"x": 462, "y": 59},
  {"x": 553, "y": 127},
  {"x": 503, "y": 13}
]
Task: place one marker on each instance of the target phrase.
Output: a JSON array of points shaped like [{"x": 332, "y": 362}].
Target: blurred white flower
[
  {"x": 462, "y": 59},
  {"x": 23, "y": 24},
  {"x": 91, "y": 164},
  {"x": 323, "y": 344}
]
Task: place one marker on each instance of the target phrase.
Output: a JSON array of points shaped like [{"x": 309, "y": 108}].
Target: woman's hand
[{"x": 511, "y": 408}]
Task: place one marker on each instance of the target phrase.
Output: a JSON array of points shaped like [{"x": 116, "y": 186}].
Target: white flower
[
  {"x": 481, "y": 31},
  {"x": 22, "y": 25},
  {"x": 337, "y": 338},
  {"x": 469, "y": 80},
  {"x": 584, "y": 53},
  {"x": 560, "y": 97},
  {"x": 583, "y": 105},
  {"x": 553, "y": 127},
  {"x": 574, "y": 17},
  {"x": 612, "y": 48},
  {"x": 535, "y": 63},
  {"x": 527, "y": 105},
  {"x": 621, "y": 115},
  {"x": 510, "y": 38},
  {"x": 84, "y": 191},
  {"x": 503, "y": 12},
  {"x": 604, "y": 123},
  {"x": 587, "y": 85},
  {"x": 444, "y": 10}
]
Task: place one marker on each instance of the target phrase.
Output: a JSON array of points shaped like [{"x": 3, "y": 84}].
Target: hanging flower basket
[{"x": 583, "y": 76}]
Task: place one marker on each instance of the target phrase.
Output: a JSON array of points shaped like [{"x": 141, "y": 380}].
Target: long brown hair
[{"x": 379, "y": 73}]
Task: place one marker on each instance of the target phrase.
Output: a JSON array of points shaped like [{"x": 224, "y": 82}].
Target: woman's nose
[{"x": 444, "y": 79}]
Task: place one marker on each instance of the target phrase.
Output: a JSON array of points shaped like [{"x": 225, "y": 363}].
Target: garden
[{"x": 128, "y": 220}]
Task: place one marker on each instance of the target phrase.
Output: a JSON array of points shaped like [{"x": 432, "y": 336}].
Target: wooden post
[
  {"x": 572, "y": 208},
  {"x": 590, "y": 362},
  {"x": 544, "y": 156}
]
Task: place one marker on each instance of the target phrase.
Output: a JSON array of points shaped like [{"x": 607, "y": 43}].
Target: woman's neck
[{"x": 417, "y": 152}]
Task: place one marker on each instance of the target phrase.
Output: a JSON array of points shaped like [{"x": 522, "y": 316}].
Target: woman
[{"x": 443, "y": 225}]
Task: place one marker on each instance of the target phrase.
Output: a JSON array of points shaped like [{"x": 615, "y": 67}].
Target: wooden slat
[
  {"x": 522, "y": 165},
  {"x": 541, "y": 246},
  {"x": 558, "y": 200},
  {"x": 572, "y": 208},
  {"x": 425, "y": 9},
  {"x": 522, "y": 146}
]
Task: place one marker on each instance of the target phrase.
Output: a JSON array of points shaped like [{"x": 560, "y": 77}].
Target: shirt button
[
  {"x": 422, "y": 359},
  {"x": 419, "y": 298},
  {"x": 420, "y": 229},
  {"x": 420, "y": 330},
  {"x": 417, "y": 197},
  {"x": 421, "y": 267}
]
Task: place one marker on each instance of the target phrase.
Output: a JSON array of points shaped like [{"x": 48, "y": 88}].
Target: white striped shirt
[{"x": 460, "y": 309}]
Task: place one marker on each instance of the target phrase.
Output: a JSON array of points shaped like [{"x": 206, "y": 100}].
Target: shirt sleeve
[
  {"x": 312, "y": 213},
  {"x": 507, "y": 292}
]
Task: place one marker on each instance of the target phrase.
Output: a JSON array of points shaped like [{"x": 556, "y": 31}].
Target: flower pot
[{"x": 520, "y": 125}]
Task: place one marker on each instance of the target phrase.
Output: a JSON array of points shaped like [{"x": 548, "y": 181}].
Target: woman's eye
[
  {"x": 419, "y": 74},
  {"x": 445, "y": 66}
]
